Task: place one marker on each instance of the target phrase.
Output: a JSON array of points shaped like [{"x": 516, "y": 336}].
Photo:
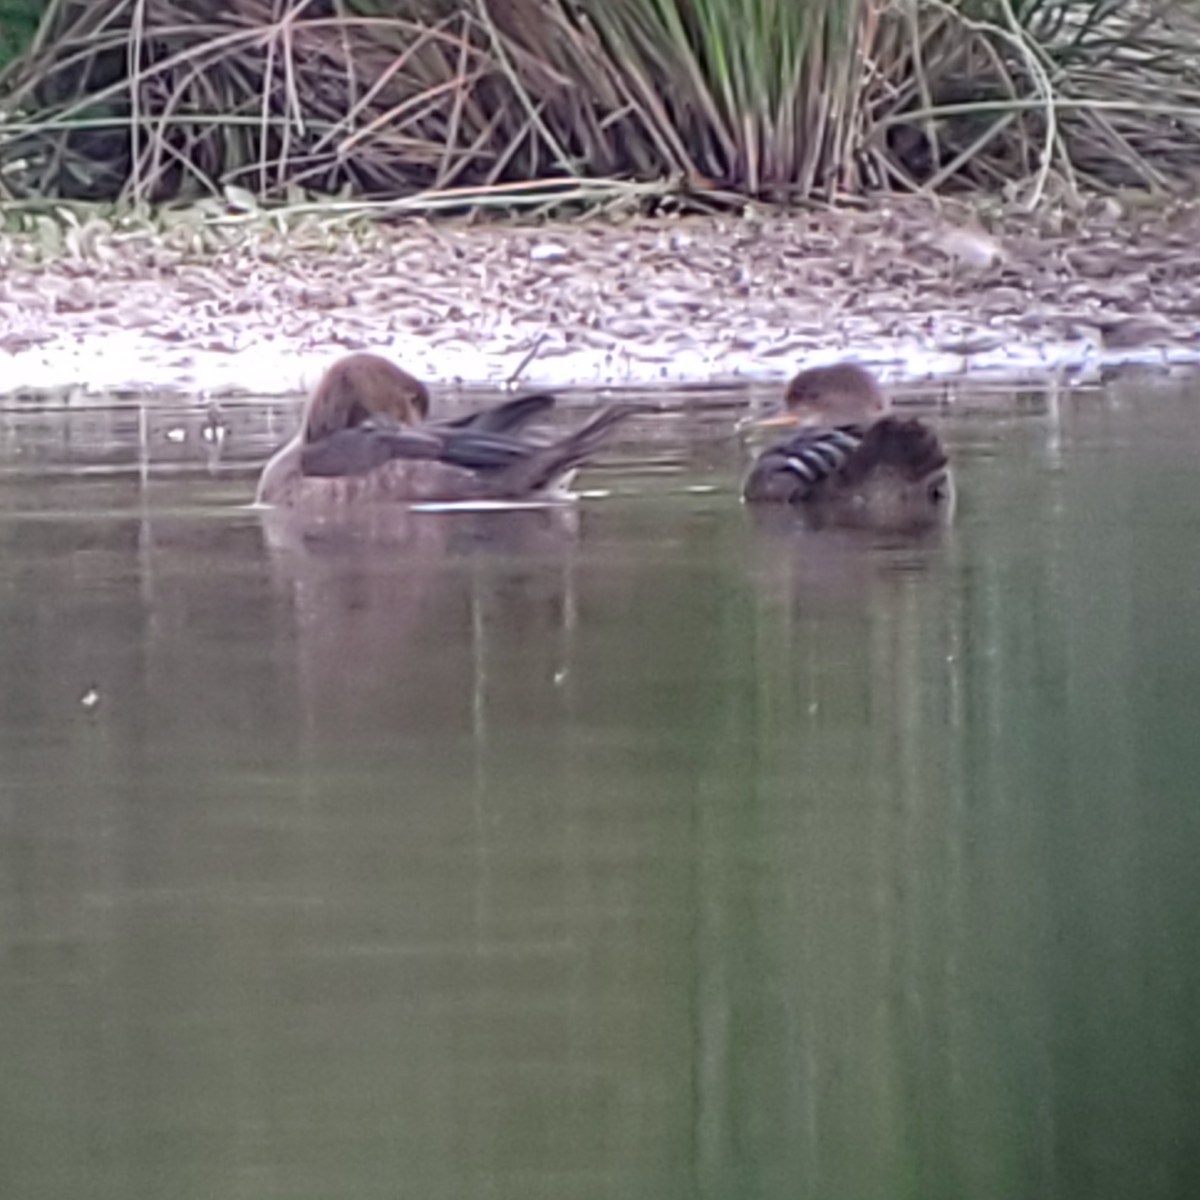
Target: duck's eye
[{"x": 937, "y": 492}]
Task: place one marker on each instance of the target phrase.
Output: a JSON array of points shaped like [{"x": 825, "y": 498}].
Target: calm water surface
[{"x": 655, "y": 850}]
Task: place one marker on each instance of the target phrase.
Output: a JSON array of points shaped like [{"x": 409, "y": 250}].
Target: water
[{"x": 662, "y": 851}]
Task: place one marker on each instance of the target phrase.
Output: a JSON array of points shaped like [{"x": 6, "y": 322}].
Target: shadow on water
[{"x": 649, "y": 849}]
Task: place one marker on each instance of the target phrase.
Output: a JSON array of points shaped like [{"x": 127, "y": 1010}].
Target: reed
[{"x": 693, "y": 102}]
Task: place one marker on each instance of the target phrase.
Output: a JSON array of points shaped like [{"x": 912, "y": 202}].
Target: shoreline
[{"x": 218, "y": 309}]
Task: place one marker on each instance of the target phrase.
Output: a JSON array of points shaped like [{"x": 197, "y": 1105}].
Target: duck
[
  {"x": 851, "y": 460},
  {"x": 366, "y": 437}
]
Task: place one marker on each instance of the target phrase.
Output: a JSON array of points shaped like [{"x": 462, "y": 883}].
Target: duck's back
[{"x": 285, "y": 485}]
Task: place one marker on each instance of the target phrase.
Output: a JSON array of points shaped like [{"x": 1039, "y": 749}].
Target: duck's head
[
  {"x": 841, "y": 394},
  {"x": 360, "y": 387}
]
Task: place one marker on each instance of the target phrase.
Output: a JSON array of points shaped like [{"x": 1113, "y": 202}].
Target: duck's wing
[
  {"x": 507, "y": 417},
  {"x": 364, "y": 447},
  {"x": 361, "y": 448},
  {"x": 507, "y": 465},
  {"x": 904, "y": 445},
  {"x": 793, "y": 471},
  {"x": 546, "y": 465}
]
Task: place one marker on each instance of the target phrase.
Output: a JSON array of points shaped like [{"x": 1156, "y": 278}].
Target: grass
[{"x": 641, "y": 102}]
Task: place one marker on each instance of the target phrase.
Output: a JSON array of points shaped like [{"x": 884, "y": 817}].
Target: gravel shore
[{"x": 260, "y": 305}]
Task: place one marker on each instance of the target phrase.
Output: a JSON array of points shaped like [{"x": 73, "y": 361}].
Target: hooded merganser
[
  {"x": 851, "y": 462},
  {"x": 366, "y": 438}
]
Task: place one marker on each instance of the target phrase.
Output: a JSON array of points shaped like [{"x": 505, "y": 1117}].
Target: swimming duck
[
  {"x": 851, "y": 462},
  {"x": 366, "y": 437}
]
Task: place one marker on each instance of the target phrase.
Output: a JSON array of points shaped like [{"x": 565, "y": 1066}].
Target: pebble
[{"x": 678, "y": 300}]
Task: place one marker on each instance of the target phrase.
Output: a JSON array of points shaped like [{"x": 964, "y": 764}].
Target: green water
[{"x": 663, "y": 851}]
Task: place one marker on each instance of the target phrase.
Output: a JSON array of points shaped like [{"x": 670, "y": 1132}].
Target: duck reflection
[
  {"x": 794, "y": 561},
  {"x": 398, "y": 608}
]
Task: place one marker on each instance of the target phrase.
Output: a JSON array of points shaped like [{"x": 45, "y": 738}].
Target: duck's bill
[{"x": 778, "y": 419}]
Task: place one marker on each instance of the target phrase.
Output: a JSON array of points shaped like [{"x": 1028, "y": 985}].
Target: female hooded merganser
[
  {"x": 366, "y": 438},
  {"x": 852, "y": 462}
]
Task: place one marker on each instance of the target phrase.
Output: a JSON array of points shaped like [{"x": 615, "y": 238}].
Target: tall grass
[{"x": 705, "y": 100}]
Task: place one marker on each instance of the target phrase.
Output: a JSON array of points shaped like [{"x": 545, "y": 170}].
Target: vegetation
[{"x": 468, "y": 102}]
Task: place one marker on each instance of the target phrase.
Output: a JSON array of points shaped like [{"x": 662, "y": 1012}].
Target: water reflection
[
  {"x": 654, "y": 849},
  {"x": 361, "y": 588}
]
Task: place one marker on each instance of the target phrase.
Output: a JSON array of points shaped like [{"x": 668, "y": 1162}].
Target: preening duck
[
  {"x": 851, "y": 460},
  {"x": 366, "y": 438}
]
